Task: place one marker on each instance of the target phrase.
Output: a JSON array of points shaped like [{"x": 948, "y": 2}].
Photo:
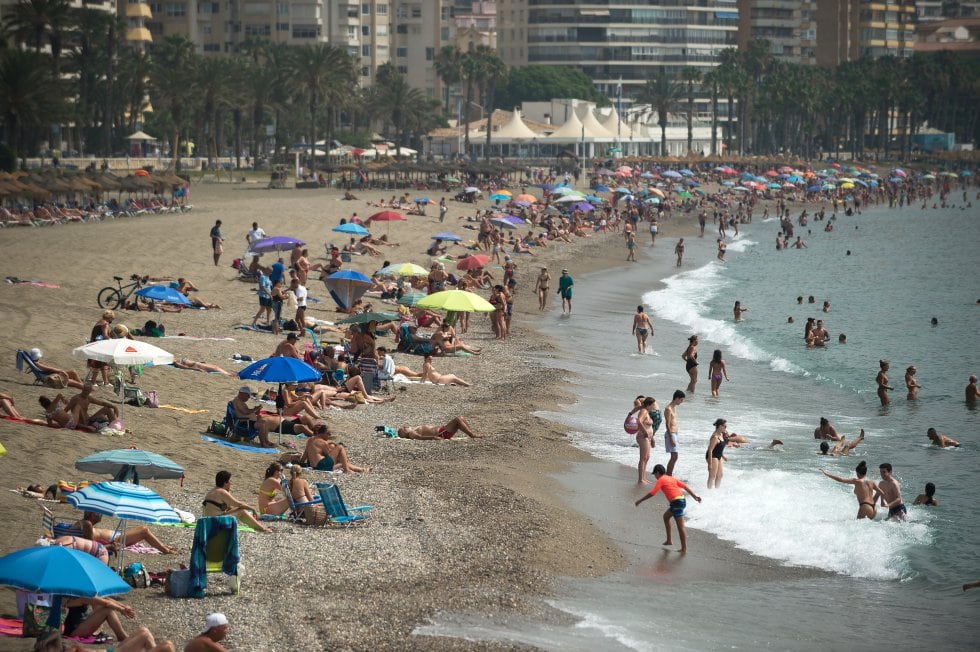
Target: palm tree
[
  {"x": 691, "y": 76},
  {"x": 730, "y": 80},
  {"x": 30, "y": 97},
  {"x": 474, "y": 74},
  {"x": 711, "y": 81},
  {"x": 328, "y": 75},
  {"x": 169, "y": 85},
  {"x": 660, "y": 94},
  {"x": 449, "y": 67},
  {"x": 395, "y": 103},
  {"x": 34, "y": 21},
  {"x": 494, "y": 70},
  {"x": 755, "y": 61}
]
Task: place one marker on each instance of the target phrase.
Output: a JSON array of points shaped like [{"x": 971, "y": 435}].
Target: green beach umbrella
[
  {"x": 365, "y": 317},
  {"x": 410, "y": 299}
]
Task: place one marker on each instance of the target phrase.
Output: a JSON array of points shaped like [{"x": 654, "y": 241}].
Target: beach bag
[
  {"x": 152, "y": 399},
  {"x": 37, "y": 610},
  {"x": 178, "y": 583},
  {"x": 218, "y": 428},
  {"x": 290, "y": 325},
  {"x": 632, "y": 423},
  {"x": 656, "y": 419},
  {"x": 136, "y": 576},
  {"x": 356, "y": 397},
  {"x": 55, "y": 381}
]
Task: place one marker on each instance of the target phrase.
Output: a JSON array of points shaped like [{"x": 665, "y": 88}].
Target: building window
[
  {"x": 430, "y": 54},
  {"x": 282, "y": 8},
  {"x": 402, "y": 70},
  {"x": 258, "y": 30},
  {"x": 401, "y": 53},
  {"x": 365, "y": 9},
  {"x": 365, "y": 30},
  {"x": 381, "y": 30},
  {"x": 382, "y": 51},
  {"x": 156, "y": 8},
  {"x": 174, "y": 9},
  {"x": 306, "y": 31},
  {"x": 208, "y": 8},
  {"x": 444, "y": 33},
  {"x": 257, "y": 8},
  {"x": 401, "y": 28},
  {"x": 416, "y": 11},
  {"x": 365, "y": 71},
  {"x": 365, "y": 50},
  {"x": 205, "y": 29},
  {"x": 282, "y": 27},
  {"x": 382, "y": 9},
  {"x": 447, "y": 13},
  {"x": 351, "y": 31},
  {"x": 212, "y": 47}
]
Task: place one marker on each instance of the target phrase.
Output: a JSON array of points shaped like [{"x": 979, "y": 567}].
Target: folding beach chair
[
  {"x": 24, "y": 360},
  {"x": 337, "y": 511},
  {"x": 295, "y": 508},
  {"x": 215, "y": 550},
  {"x": 240, "y": 427}
]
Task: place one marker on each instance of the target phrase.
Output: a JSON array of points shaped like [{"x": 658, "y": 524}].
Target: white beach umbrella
[{"x": 123, "y": 351}]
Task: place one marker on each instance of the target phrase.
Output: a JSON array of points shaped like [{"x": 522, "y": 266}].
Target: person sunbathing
[
  {"x": 80, "y": 544},
  {"x": 7, "y": 406},
  {"x": 78, "y": 406},
  {"x": 187, "y": 363},
  {"x": 130, "y": 536},
  {"x": 220, "y": 502},
  {"x": 429, "y": 374},
  {"x": 103, "y": 610},
  {"x": 295, "y": 405},
  {"x": 54, "y": 414},
  {"x": 445, "y": 340},
  {"x": 354, "y": 383},
  {"x": 70, "y": 376},
  {"x": 364, "y": 246},
  {"x": 438, "y": 432},
  {"x": 185, "y": 287},
  {"x": 325, "y": 455},
  {"x": 302, "y": 492},
  {"x": 271, "y": 486},
  {"x": 324, "y": 396}
]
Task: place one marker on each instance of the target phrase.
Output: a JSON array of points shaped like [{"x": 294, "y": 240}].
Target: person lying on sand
[
  {"x": 185, "y": 287},
  {"x": 141, "y": 640},
  {"x": 7, "y": 406},
  {"x": 187, "y": 363},
  {"x": 438, "y": 432},
  {"x": 130, "y": 536},
  {"x": 429, "y": 374}
]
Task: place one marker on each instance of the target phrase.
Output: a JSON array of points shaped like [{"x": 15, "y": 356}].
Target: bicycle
[{"x": 112, "y": 298}]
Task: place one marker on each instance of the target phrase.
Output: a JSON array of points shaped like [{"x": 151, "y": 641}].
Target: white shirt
[
  {"x": 255, "y": 235},
  {"x": 388, "y": 365},
  {"x": 300, "y": 293}
]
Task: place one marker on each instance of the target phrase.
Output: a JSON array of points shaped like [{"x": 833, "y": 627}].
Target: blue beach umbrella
[
  {"x": 622, "y": 190},
  {"x": 347, "y": 286},
  {"x": 125, "y": 501},
  {"x": 594, "y": 199},
  {"x": 728, "y": 183},
  {"x": 689, "y": 182},
  {"x": 646, "y": 175},
  {"x": 124, "y": 463},
  {"x": 583, "y": 206},
  {"x": 59, "y": 571},
  {"x": 452, "y": 237},
  {"x": 163, "y": 293},
  {"x": 280, "y": 369},
  {"x": 499, "y": 197},
  {"x": 350, "y": 228},
  {"x": 422, "y": 200},
  {"x": 686, "y": 172},
  {"x": 671, "y": 174},
  {"x": 601, "y": 188},
  {"x": 814, "y": 189}
]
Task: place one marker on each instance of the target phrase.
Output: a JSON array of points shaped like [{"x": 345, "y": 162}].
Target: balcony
[
  {"x": 140, "y": 10},
  {"x": 139, "y": 35}
]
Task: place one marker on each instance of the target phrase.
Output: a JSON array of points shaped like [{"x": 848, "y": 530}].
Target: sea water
[{"x": 886, "y": 274}]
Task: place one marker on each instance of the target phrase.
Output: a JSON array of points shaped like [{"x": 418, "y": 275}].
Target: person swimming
[{"x": 928, "y": 498}]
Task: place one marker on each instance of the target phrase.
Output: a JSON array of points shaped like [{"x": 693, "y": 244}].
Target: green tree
[
  {"x": 494, "y": 70},
  {"x": 30, "y": 97},
  {"x": 36, "y": 21},
  {"x": 543, "y": 83},
  {"x": 405, "y": 109},
  {"x": 660, "y": 94},
  {"x": 172, "y": 62},
  {"x": 690, "y": 76},
  {"x": 327, "y": 75},
  {"x": 449, "y": 67}
]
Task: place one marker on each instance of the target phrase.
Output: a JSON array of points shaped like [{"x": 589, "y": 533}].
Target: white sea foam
[
  {"x": 684, "y": 301},
  {"x": 806, "y": 519}
]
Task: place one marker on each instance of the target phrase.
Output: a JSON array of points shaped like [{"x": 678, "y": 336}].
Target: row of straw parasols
[{"x": 46, "y": 183}]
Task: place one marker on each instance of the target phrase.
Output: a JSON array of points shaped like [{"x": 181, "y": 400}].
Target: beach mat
[
  {"x": 241, "y": 447},
  {"x": 37, "y": 422}
]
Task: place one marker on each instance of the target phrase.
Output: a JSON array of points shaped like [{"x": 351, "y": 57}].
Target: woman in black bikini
[
  {"x": 220, "y": 502},
  {"x": 690, "y": 356},
  {"x": 865, "y": 490},
  {"x": 715, "y": 455}
]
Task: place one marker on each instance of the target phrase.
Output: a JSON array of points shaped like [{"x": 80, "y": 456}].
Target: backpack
[
  {"x": 152, "y": 399},
  {"x": 632, "y": 423},
  {"x": 136, "y": 576},
  {"x": 218, "y": 428}
]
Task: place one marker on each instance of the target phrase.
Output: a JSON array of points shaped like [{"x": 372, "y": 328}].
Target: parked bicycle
[{"x": 113, "y": 298}]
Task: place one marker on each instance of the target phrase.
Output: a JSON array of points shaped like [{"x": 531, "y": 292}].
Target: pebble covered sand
[{"x": 465, "y": 525}]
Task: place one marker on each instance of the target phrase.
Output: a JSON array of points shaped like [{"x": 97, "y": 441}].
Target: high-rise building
[
  {"x": 788, "y": 25},
  {"x": 136, "y": 13},
  {"x": 609, "y": 42},
  {"x": 421, "y": 29},
  {"x": 850, "y": 29}
]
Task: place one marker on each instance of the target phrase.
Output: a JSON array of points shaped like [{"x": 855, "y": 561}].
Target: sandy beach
[{"x": 465, "y": 525}]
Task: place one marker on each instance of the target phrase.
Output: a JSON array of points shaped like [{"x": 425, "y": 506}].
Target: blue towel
[
  {"x": 205, "y": 529},
  {"x": 241, "y": 447}
]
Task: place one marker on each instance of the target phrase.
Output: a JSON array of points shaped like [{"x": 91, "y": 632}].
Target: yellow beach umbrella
[{"x": 457, "y": 301}]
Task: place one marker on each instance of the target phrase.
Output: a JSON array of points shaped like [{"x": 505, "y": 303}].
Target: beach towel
[
  {"x": 13, "y": 280},
  {"x": 14, "y": 628},
  {"x": 256, "y": 329},
  {"x": 38, "y": 422},
  {"x": 197, "y": 339},
  {"x": 241, "y": 447}
]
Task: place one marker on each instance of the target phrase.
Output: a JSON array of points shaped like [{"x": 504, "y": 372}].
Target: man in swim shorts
[
  {"x": 674, "y": 492},
  {"x": 891, "y": 493},
  {"x": 438, "y": 432},
  {"x": 671, "y": 437}
]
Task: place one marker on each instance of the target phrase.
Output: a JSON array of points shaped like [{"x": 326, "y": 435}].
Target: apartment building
[
  {"x": 850, "y": 29},
  {"x": 609, "y": 42},
  {"x": 789, "y": 26}
]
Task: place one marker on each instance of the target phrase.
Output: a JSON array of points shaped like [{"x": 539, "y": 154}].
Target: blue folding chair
[
  {"x": 337, "y": 511},
  {"x": 237, "y": 426}
]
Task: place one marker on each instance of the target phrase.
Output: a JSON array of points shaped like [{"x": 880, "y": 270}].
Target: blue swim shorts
[{"x": 677, "y": 507}]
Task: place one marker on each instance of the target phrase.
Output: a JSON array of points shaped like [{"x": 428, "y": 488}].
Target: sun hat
[
  {"x": 245, "y": 389},
  {"x": 212, "y": 621},
  {"x": 35, "y": 353}
]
